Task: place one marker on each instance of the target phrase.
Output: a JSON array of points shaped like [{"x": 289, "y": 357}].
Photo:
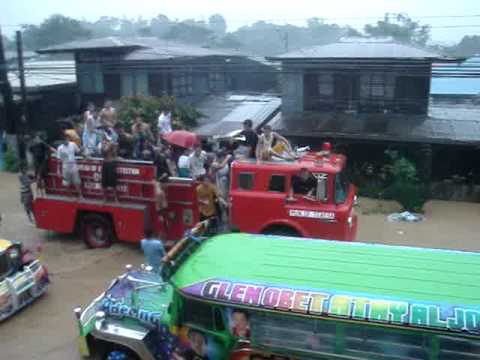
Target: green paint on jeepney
[{"x": 399, "y": 285}]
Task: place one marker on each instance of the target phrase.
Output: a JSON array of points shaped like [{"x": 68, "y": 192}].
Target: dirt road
[{"x": 47, "y": 330}]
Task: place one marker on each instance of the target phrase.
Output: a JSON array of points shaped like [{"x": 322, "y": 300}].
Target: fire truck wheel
[
  {"x": 97, "y": 231},
  {"x": 281, "y": 231}
]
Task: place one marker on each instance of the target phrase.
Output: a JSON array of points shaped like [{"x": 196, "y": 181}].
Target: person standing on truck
[
  {"x": 208, "y": 196},
  {"x": 141, "y": 136},
  {"x": 248, "y": 147},
  {"x": 40, "y": 153},
  {"x": 66, "y": 153},
  {"x": 153, "y": 250},
  {"x": 197, "y": 162},
  {"x": 184, "y": 164},
  {"x": 109, "y": 169},
  {"x": 266, "y": 142}
]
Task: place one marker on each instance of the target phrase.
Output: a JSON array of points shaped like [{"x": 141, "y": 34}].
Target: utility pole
[
  {"x": 23, "y": 89},
  {"x": 6, "y": 93}
]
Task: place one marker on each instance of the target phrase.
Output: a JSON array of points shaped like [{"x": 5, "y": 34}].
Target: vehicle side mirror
[{"x": 290, "y": 199}]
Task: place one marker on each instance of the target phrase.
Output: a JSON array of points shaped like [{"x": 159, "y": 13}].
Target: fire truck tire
[
  {"x": 97, "y": 231},
  {"x": 118, "y": 352},
  {"x": 281, "y": 230}
]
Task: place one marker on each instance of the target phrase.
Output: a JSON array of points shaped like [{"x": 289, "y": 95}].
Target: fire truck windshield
[{"x": 342, "y": 186}]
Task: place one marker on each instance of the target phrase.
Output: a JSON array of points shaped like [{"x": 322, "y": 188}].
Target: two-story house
[
  {"x": 109, "y": 68},
  {"x": 371, "y": 94}
]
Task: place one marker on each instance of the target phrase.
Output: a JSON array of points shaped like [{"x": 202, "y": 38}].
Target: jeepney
[
  {"x": 245, "y": 296},
  {"x": 22, "y": 278}
]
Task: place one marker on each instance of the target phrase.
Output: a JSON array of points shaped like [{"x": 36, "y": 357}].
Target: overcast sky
[{"x": 244, "y": 12}]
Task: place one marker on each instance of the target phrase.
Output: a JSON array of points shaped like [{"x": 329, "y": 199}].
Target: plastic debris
[{"x": 405, "y": 216}]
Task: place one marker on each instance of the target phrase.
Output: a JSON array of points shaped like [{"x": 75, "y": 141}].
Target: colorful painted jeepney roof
[
  {"x": 4, "y": 244},
  {"x": 401, "y": 285}
]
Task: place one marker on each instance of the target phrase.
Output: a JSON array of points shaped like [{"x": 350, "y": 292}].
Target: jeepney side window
[
  {"x": 277, "y": 183},
  {"x": 197, "y": 313},
  {"x": 245, "y": 181}
]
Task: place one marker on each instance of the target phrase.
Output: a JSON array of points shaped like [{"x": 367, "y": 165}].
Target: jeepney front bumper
[{"x": 22, "y": 288}]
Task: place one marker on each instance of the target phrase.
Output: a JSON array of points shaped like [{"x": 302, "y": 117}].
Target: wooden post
[{"x": 23, "y": 118}]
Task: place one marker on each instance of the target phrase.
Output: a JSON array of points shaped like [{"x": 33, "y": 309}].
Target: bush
[
  {"x": 403, "y": 185},
  {"x": 11, "y": 161},
  {"x": 148, "y": 107}
]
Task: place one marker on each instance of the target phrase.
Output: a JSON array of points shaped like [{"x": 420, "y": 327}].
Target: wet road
[{"x": 47, "y": 330}]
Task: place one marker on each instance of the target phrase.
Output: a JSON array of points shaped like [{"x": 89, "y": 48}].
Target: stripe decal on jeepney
[{"x": 345, "y": 305}]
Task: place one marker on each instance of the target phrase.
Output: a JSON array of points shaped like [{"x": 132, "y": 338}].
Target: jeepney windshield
[{"x": 4, "y": 264}]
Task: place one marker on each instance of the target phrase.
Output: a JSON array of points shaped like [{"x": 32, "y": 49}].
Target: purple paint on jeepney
[{"x": 353, "y": 306}]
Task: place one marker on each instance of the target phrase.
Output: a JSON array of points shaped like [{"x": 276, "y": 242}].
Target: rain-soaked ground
[{"x": 47, "y": 330}]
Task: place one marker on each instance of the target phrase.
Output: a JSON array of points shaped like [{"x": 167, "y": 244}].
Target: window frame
[
  {"x": 249, "y": 173},
  {"x": 284, "y": 184}
]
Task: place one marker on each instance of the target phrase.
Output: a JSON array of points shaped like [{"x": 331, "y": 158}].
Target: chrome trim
[{"x": 130, "y": 338}]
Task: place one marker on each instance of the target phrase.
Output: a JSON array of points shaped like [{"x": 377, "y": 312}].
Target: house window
[
  {"x": 325, "y": 85},
  {"x": 183, "y": 84},
  {"x": 159, "y": 84},
  {"x": 215, "y": 81},
  {"x": 245, "y": 181},
  {"x": 318, "y": 91},
  {"x": 377, "y": 85},
  {"x": 411, "y": 94},
  {"x": 347, "y": 91},
  {"x": 197, "y": 313},
  {"x": 112, "y": 84}
]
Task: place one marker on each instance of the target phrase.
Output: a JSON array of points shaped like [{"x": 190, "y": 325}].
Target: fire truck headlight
[
  {"x": 350, "y": 221},
  {"x": 355, "y": 200}
]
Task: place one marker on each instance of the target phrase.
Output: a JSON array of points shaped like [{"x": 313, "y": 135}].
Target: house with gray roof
[{"x": 115, "y": 67}]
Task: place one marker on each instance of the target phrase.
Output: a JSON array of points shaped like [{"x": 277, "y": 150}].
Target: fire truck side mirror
[{"x": 290, "y": 199}]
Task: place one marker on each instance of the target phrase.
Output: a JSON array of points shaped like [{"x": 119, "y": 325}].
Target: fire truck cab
[{"x": 261, "y": 200}]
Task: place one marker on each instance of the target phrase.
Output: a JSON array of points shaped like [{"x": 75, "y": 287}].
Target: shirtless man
[
  {"x": 265, "y": 148},
  {"x": 108, "y": 115}
]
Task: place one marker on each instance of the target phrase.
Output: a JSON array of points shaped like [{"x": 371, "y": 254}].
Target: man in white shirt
[
  {"x": 164, "y": 123},
  {"x": 66, "y": 153},
  {"x": 197, "y": 162},
  {"x": 184, "y": 164}
]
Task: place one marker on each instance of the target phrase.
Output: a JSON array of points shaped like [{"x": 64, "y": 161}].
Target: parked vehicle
[
  {"x": 244, "y": 296},
  {"x": 23, "y": 279}
]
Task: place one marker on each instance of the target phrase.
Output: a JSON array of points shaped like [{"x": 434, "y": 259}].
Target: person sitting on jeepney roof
[
  {"x": 304, "y": 183},
  {"x": 266, "y": 148},
  {"x": 66, "y": 154},
  {"x": 153, "y": 249}
]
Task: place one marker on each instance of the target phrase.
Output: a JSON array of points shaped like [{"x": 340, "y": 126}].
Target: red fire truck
[{"x": 260, "y": 202}]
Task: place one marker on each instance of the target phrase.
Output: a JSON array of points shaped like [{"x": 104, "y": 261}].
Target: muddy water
[{"x": 47, "y": 330}]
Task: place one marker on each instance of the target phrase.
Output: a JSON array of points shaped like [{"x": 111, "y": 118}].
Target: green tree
[
  {"x": 467, "y": 47},
  {"x": 401, "y": 28},
  {"x": 56, "y": 29},
  {"x": 217, "y": 24},
  {"x": 189, "y": 32},
  {"x": 160, "y": 25}
]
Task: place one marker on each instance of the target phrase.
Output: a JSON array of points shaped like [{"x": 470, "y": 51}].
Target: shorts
[{"x": 71, "y": 177}]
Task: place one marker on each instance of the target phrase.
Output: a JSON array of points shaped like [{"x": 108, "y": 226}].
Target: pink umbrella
[{"x": 182, "y": 138}]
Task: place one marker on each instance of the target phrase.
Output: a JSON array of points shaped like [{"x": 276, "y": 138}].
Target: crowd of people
[{"x": 101, "y": 134}]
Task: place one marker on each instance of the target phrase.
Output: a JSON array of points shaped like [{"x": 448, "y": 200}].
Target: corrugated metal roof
[
  {"x": 226, "y": 113},
  {"x": 42, "y": 74},
  {"x": 141, "y": 48},
  {"x": 444, "y": 124},
  {"x": 456, "y": 79},
  {"x": 358, "y": 48}
]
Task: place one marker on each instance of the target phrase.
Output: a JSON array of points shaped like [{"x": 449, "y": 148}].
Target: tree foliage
[
  {"x": 217, "y": 24},
  {"x": 55, "y": 30},
  {"x": 401, "y": 28}
]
